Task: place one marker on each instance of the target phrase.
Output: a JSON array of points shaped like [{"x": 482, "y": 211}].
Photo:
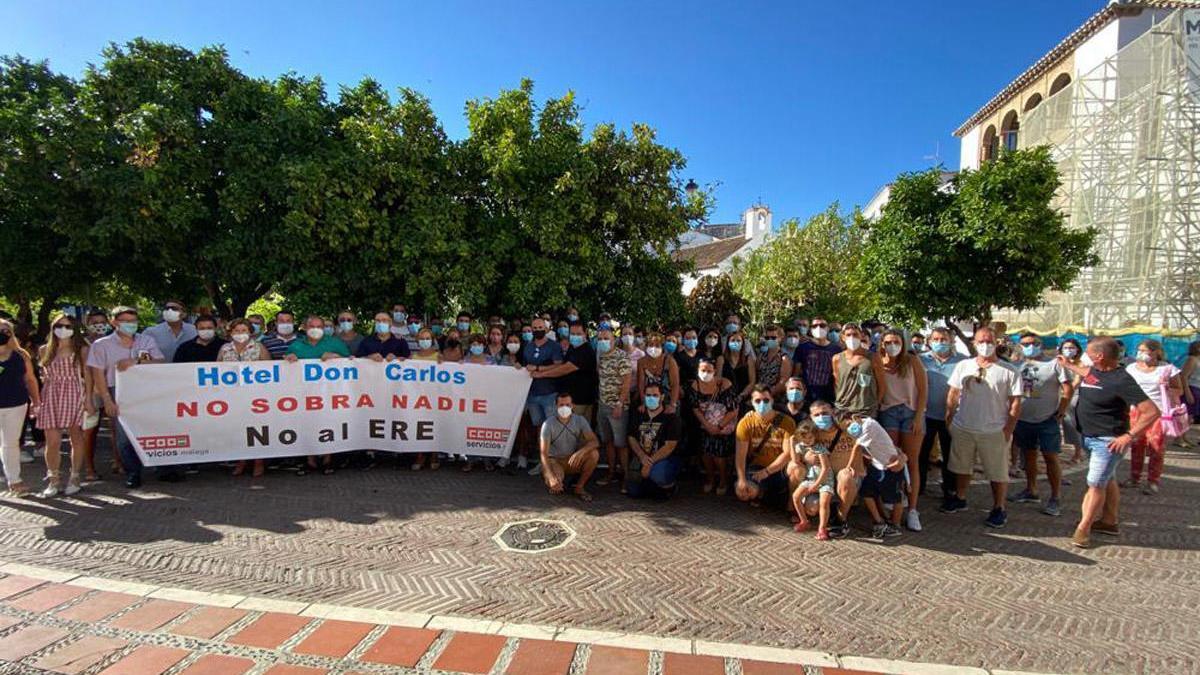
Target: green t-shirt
[{"x": 305, "y": 350}]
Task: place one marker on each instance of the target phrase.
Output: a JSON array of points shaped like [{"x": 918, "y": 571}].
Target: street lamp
[{"x": 691, "y": 187}]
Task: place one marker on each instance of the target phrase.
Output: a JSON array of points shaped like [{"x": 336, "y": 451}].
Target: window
[
  {"x": 991, "y": 144},
  {"x": 1008, "y": 130}
]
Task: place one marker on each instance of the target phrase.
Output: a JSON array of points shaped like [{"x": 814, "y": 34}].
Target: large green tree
[
  {"x": 991, "y": 238},
  {"x": 808, "y": 268},
  {"x": 42, "y": 200}
]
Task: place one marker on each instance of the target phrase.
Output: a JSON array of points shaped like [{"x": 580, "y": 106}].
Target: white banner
[
  {"x": 1191, "y": 47},
  {"x": 211, "y": 412}
]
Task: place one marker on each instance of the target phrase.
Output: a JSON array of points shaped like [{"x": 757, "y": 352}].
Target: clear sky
[{"x": 794, "y": 103}]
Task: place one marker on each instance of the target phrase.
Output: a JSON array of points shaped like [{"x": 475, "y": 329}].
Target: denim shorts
[
  {"x": 1102, "y": 462},
  {"x": 608, "y": 429},
  {"x": 897, "y": 418},
  {"x": 1045, "y": 436},
  {"x": 540, "y": 408}
]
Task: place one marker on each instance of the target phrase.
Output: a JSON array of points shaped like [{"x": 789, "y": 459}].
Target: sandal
[{"x": 583, "y": 495}]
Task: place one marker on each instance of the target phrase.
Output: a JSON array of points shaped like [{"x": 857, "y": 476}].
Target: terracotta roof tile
[{"x": 710, "y": 255}]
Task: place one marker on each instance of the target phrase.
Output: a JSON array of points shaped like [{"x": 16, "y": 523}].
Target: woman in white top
[{"x": 1151, "y": 371}]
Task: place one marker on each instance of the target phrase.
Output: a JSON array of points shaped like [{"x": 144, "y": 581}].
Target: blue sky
[{"x": 793, "y": 103}]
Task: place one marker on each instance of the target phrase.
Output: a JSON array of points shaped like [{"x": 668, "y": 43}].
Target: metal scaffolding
[{"x": 1126, "y": 137}]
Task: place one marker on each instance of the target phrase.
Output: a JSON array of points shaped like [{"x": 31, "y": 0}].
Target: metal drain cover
[{"x": 534, "y": 536}]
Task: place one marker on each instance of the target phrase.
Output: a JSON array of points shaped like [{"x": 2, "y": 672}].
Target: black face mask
[
  {"x": 452, "y": 343},
  {"x": 539, "y": 334},
  {"x": 4, "y": 338}
]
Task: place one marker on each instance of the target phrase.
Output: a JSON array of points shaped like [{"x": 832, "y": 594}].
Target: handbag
[{"x": 1174, "y": 421}]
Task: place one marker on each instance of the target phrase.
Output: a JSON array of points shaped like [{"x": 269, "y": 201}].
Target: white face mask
[
  {"x": 893, "y": 350},
  {"x": 241, "y": 338},
  {"x": 705, "y": 376},
  {"x": 712, "y": 341},
  {"x": 853, "y": 343},
  {"x": 170, "y": 315},
  {"x": 626, "y": 340},
  {"x": 206, "y": 333},
  {"x": 513, "y": 347},
  {"x": 315, "y": 333},
  {"x": 820, "y": 332},
  {"x": 62, "y": 333},
  {"x": 654, "y": 352},
  {"x": 986, "y": 349},
  {"x": 286, "y": 328},
  {"x": 564, "y": 411}
]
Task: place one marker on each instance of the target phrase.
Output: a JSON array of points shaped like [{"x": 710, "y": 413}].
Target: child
[
  {"x": 884, "y": 474},
  {"x": 814, "y": 496}
]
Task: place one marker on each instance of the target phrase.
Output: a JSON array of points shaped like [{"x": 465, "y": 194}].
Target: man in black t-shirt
[
  {"x": 653, "y": 438},
  {"x": 204, "y": 347},
  {"x": 1106, "y": 393},
  {"x": 577, "y": 373}
]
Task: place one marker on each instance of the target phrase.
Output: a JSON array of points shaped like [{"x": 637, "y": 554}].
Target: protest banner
[{"x": 213, "y": 412}]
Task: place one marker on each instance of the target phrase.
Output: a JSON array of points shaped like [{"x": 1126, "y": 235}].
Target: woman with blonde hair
[
  {"x": 902, "y": 410},
  {"x": 65, "y": 380},
  {"x": 18, "y": 394}
]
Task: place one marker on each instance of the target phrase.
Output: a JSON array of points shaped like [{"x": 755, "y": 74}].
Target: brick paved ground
[{"x": 694, "y": 568}]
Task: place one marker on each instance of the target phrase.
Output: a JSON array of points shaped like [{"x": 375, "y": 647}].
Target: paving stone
[
  {"x": 766, "y": 668},
  {"x": 542, "y": 657},
  {"x": 290, "y": 669},
  {"x": 691, "y": 664},
  {"x": 218, "y": 664},
  {"x": 28, "y": 640},
  {"x": 207, "y": 622},
  {"x": 617, "y": 661},
  {"x": 47, "y": 597},
  {"x": 14, "y": 584},
  {"x": 270, "y": 630},
  {"x": 150, "y": 615},
  {"x": 81, "y": 654},
  {"x": 334, "y": 638},
  {"x": 8, "y": 622},
  {"x": 98, "y": 606},
  {"x": 147, "y": 660},
  {"x": 399, "y": 646},
  {"x": 470, "y": 653}
]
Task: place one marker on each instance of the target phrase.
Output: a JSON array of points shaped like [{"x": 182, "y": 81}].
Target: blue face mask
[
  {"x": 855, "y": 429},
  {"x": 651, "y": 402},
  {"x": 256, "y": 328},
  {"x": 464, "y": 326},
  {"x": 823, "y": 422},
  {"x": 346, "y": 326},
  {"x": 127, "y": 327},
  {"x": 400, "y": 317},
  {"x": 603, "y": 346},
  {"x": 940, "y": 348},
  {"x": 604, "y": 325},
  {"x": 572, "y": 318},
  {"x": 731, "y": 328},
  {"x": 1030, "y": 350},
  {"x": 772, "y": 344},
  {"x": 328, "y": 330},
  {"x": 762, "y": 407},
  {"x": 563, "y": 331},
  {"x": 527, "y": 336},
  {"x": 476, "y": 349},
  {"x": 414, "y": 327},
  {"x": 425, "y": 343},
  {"x": 833, "y": 336},
  {"x": 576, "y": 340},
  {"x": 690, "y": 343},
  {"x": 436, "y": 330},
  {"x": 735, "y": 346},
  {"x": 795, "y": 395},
  {"x": 670, "y": 347},
  {"x": 382, "y": 327}
]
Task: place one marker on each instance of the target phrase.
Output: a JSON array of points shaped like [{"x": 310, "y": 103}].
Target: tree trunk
[
  {"x": 953, "y": 326},
  {"x": 43, "y": 317},
  {"x": 24, "y": 311}
]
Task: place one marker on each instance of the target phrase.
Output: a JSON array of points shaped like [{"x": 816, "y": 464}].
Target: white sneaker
[
  {"x": 50, "y": 491},
  {"x": 535, "y": 469},
  {"x": 913, "y": 520},
  {"x": 522, "y": 463},
  {"x": 502, "y": 462},
  {"x": 71, "y": 489},
  {"x": 26, "y": 457}
]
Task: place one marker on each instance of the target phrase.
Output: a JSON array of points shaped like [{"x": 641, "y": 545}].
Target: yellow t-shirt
[{"x": 753, "y": 428}]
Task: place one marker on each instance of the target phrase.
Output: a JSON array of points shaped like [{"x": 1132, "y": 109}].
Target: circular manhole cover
[{"x": 534, "y": 536}]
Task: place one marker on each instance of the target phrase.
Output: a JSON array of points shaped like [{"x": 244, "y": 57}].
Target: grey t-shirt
[
  {"x": 1041, "y": 385},
  {"x": 564, "y": 438}
]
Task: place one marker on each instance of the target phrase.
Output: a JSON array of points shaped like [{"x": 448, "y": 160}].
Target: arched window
[
  {"x": 1033, "y": 102},
  {"x": 991, "y": 144},
  {"x": 1059, "y": 83},
  {"x": 1008, "y": 130}
]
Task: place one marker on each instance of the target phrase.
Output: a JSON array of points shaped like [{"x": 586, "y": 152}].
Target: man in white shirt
[{"x": 982, "y": 410}]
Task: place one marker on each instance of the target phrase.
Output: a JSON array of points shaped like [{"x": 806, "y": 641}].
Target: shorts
[
  {"x": 1102, "y": 462},
  {"x": 989, "y": 449},
  {"x": 883, "y": 484},
  {"x": 608, "y": 429},
  {"x": 1045, "y": 436},
  {"x": 897, "y": 418},
  {"x": 773, "y": 489},
  {"x": 540, "y": 408},
  {"x": 826, "y": 487}
]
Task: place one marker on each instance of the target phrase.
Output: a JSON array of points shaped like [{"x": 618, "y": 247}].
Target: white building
[
  {"x": 712, "y": 248},
  {"x": 874, "y": 208}
]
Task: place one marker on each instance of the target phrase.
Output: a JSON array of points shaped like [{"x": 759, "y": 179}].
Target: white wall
[
  {"x": 968, "y": 157},
  {"x": 1097, "y": 48}
]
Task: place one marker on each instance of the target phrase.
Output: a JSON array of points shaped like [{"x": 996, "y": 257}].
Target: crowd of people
[{"x": 811, "y": 418}]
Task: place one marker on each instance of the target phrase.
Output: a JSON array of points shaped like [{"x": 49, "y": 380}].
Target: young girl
[
  {"x": 814, "y": 496},
  {"x": 66, "y": 379}
]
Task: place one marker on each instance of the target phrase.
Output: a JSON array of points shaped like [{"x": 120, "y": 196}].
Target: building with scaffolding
[{"x": 1118, "y": 101}]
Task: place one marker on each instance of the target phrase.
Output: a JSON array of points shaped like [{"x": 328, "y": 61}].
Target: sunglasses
[
  {"x": 762, "y": 400},
  {"x": 818, "y": 325}
]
